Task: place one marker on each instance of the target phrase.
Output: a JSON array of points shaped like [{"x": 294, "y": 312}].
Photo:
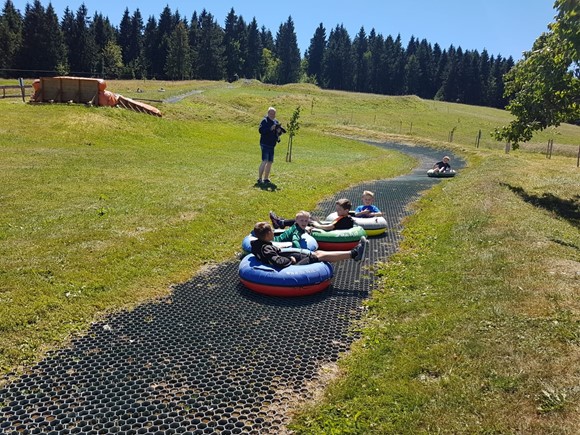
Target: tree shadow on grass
[{"x": 568, "y": 209}]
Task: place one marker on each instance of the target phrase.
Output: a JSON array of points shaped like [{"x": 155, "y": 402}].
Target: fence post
[
  {"x": 578, "y": 159},
  {"x": 477, "y": 139},
  {"x": 507, "y": 147},
  {"x": 411, "y": 128},
  {"x": 22, "y": 89},
  {"x": 450, "y": 137},
  {"x": 549, "y": 148}
]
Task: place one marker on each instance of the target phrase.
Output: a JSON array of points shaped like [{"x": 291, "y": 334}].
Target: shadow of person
[{"x": 266, "y": 186}]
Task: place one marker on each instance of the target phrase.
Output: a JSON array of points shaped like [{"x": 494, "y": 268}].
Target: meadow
[{"x": 475, "y": 328}]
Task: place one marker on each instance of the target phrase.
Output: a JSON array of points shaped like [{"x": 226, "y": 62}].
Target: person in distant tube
[{"x": 442, "y": 166}]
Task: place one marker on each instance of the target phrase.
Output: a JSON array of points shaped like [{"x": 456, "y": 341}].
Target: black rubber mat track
[{"x": 214, "y": 357}]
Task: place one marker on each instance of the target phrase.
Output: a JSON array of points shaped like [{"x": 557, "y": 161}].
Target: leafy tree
[
  {"x": 178, "y": 64},
  {"x": 112, "y": 60},
  {"x": 10, "y": 36},
  {"x": 544, "y": 87},
  {"x": 270, "y": 67},
  {"x": 293, "y": 127},
  {"x": 288, "y": 53}
]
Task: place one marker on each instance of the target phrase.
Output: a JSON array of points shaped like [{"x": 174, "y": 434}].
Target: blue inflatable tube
[{"x": 288, "y": 281}]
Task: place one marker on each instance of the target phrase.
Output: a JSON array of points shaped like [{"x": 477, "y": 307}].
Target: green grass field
[{"x": 476, "y": 326}]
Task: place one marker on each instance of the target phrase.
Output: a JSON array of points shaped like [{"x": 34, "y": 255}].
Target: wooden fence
[{"x": 20, "y": 86}]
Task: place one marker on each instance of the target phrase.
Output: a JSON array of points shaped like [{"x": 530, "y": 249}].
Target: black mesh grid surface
[{"x": 214, "y": 357}]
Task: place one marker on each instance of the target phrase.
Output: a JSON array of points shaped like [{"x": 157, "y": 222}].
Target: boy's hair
[
  {"x": 344, "y": 203},
  {"x": 368, "y": 193},
  {"x": 446, "y": 157},
  {"x": 302, "y": 213},
  {"x": 261, "y": 229}
]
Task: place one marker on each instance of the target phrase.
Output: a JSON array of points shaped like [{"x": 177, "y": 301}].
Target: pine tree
[
  {"x": 194, "y": 41},
  {"x": 164, "y": 29},
  {"x": 178, "y": 63},
  {"x": 82, "y": 51},
  {"x": 337, "y": 64},
  {"x": 315, "y": 53},
  {"x": 242, "y": 34},
  {"x": 267, "y": 39},
  {"x": 232, "y": 47},
  {"x": 424, "y": 54},
  {"x": 450, "y": 86},
  {"x": 394, "y": 58},
  {"x": 484, "y": 73},
  {"x": 42, "y": 49},
  {"x": 211, "y": 50},
  {"x": 362, "y": 58},
  {"x": 125, "y": 35},
  {"x": 254, "y": 57},
  {"x": 103, "y": 30},
  {"x": 10, "y": 38},
  {"x": 412, "y": 75},
  {"x": 378, "y": 69},
  {"x": 54, "y": 45},
  {"x": 150, "y": 43},
  {"x": 288, "y": 53},
  {"x": 136, "y": 64}
]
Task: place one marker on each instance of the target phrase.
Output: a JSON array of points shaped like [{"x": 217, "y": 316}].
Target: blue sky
[{"x": 506, "y": 27}]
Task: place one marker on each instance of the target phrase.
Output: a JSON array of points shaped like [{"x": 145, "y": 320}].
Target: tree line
[{"x": 173, "y": 47}]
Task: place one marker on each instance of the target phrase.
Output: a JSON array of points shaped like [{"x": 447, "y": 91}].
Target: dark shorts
[
  {"x": 302, "y": 259},
  {"x": 267, "y": 153}
]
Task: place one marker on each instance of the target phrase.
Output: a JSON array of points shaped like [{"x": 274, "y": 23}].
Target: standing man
[{"x": 270, "y": 131}]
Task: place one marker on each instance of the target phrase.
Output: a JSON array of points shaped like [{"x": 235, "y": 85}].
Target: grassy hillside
[{"x": 477, "y": 320}]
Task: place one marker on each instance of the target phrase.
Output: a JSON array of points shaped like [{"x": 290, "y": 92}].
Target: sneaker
[
  {"x": 267, "y": 181},
  {"x": 277, "y": 223},
  {"x": 259, "y": 181},
  {"x": 359, "y": 250}
]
